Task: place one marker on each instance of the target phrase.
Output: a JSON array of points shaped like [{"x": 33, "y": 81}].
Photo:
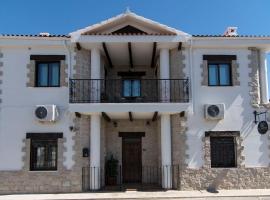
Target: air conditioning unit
[
  {"x": 46, "y": 113},
  {"x": 214, "y": 111}
]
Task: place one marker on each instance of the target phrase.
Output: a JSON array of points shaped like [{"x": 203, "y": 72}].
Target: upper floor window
[
  {"x": 223, "y": 152},
  {"x": 219, "y": 74},
  {"x": 131, "y": 88},
  {"x": 46, "y": 70},
  {"x": 219, "y": 69},
  {"x": 48, "y": 74}
]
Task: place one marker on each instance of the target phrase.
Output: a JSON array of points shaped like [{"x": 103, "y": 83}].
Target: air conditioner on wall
[
  {"x": 214, "y": 111},
  {"x": 46, "y": 113}
]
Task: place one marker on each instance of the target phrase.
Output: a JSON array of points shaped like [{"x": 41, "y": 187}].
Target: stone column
[
  {"x": 165, "y": 75},
  {"x": 95, "y": 175},
  {"x": 166, "y": 154},
  {"x": 95, "y": 75},
  {"x": 263, "y": 77}
]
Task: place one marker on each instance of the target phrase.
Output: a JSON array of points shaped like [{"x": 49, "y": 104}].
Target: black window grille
[
  {"x": 43, "y": 154},
  {"x": 223, "y": 153}
]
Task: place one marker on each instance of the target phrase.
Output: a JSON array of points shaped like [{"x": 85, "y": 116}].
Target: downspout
[
  {"x": 191, "y": 77},
  {"x": 69, "y": 59},
  {"x": 69, "y": 72}
]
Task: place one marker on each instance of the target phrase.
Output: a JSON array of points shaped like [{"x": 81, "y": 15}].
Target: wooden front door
[{"x": 132, "y": 159}]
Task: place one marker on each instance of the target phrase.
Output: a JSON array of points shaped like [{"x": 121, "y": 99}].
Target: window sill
[
  {"x": 221, "y": 85},
  {"x": 47, "y": 86},
  {"x": 224, "y": 168},
  {"x": 42, "y": 171}
]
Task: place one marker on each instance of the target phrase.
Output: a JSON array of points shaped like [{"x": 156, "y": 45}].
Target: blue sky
[{"x": 191, "y": 16}]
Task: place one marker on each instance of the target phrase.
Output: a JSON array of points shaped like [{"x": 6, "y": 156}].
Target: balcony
[{"x": 129, "y": 91}]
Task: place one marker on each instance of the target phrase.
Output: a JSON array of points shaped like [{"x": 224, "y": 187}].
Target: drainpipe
[
  {"x": 69, "y": 59},
  {"x": 191, "y": 77},
  {"x": 69, "y": 72}
]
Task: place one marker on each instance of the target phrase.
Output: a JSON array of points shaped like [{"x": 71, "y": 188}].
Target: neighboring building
[{"x": 172, "y": 108}]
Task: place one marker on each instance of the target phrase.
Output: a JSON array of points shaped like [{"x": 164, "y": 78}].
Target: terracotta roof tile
[
  {"x": 237, "y": 36},
  {"x": 32, "y": 35}
]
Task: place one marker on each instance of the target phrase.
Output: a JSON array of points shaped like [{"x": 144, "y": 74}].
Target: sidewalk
[{"x": 261, "y": 194}]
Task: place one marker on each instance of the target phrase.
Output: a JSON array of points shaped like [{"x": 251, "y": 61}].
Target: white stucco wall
[
  {"x": 17, "y": 109},
  {"x": 238, "y": 114},
  {"x": 17, "y": 118}
]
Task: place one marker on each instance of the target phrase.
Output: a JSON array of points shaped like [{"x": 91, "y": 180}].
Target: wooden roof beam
[
  {"x": 154, "y": 118},
  {"x": 107, "y": 54},
  {"x": 106, "y": 117},
  {"x": 130, "y": 55},
  {"x": 153, "y": 55},
  {"x": 130, "y": 116}
]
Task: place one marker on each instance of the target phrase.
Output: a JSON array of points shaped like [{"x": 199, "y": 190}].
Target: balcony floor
[{"x": 141, "y": 109}]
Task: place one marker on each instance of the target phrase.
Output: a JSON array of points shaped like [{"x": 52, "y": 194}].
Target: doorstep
[{"x": 262, "y": 194}]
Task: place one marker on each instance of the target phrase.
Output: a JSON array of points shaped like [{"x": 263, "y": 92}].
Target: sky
[{"x": 252, "y": 17}]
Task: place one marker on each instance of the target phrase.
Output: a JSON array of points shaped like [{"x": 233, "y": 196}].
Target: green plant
[{"x": 111, "y": 166}]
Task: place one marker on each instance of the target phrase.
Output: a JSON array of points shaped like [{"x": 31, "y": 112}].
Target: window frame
[
  {"x": 49, "y": 77},
  {"x": 33, "y": 160},
  {"x": 123, "y": 88},
  {"x": 218, "y": 74},
  {"x": 234, "y": 151}
]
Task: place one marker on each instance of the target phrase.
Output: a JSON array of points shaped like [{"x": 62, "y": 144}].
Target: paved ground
[{"x": 185, "y": 195}]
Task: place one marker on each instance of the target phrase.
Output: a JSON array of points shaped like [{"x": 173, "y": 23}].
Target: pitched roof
[{"x": 104, "y": 27}]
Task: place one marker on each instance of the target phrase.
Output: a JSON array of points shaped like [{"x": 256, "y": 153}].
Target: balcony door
[{"x": 132, "y": 159}]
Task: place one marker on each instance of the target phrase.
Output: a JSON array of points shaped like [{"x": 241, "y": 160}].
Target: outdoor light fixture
[
  {"x": 85, "y": 152},
  {"x": 77, "y": 114},
  {"x": 182, "y": 114},
  {"x": 73, "y": 128}
]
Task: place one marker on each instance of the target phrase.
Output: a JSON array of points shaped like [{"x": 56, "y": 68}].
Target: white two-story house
[{"x": 131, "y": 102}]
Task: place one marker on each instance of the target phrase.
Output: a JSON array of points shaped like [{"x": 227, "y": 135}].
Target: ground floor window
[
  {"x": 43, "y": 154},
  {"x": 43, "y": 151},
  {"x": 223, "y": 153}
]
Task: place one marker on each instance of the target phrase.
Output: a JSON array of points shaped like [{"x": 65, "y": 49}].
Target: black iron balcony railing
[{"x": 129, "y": 90}]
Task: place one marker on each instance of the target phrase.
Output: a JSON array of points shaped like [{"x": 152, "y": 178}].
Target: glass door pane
[
  {"x": 126, "y": 88},
  {"x": 136, "y": 88}
]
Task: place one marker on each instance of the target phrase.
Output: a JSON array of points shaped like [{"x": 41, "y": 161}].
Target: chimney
[
  {"x": 231, "y": 31},
  {"x": 44, "y": 34}
]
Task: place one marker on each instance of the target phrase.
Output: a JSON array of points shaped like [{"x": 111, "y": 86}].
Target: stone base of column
[
  {"x": 95, "y": 178},
  {"x": 167, "y": 177}
]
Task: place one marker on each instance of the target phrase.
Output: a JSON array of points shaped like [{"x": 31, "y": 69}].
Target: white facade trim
[{"x": 169, "y": 108}]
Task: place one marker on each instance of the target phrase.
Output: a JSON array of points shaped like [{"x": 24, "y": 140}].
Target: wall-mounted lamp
[
  {"x": 73, "y": 128},
  {"x": 182, "y": 114},
  {"x": 85, "y": 152},
  {"x": 77, "y": 114},
  {"x": 115, "y": 124}
]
